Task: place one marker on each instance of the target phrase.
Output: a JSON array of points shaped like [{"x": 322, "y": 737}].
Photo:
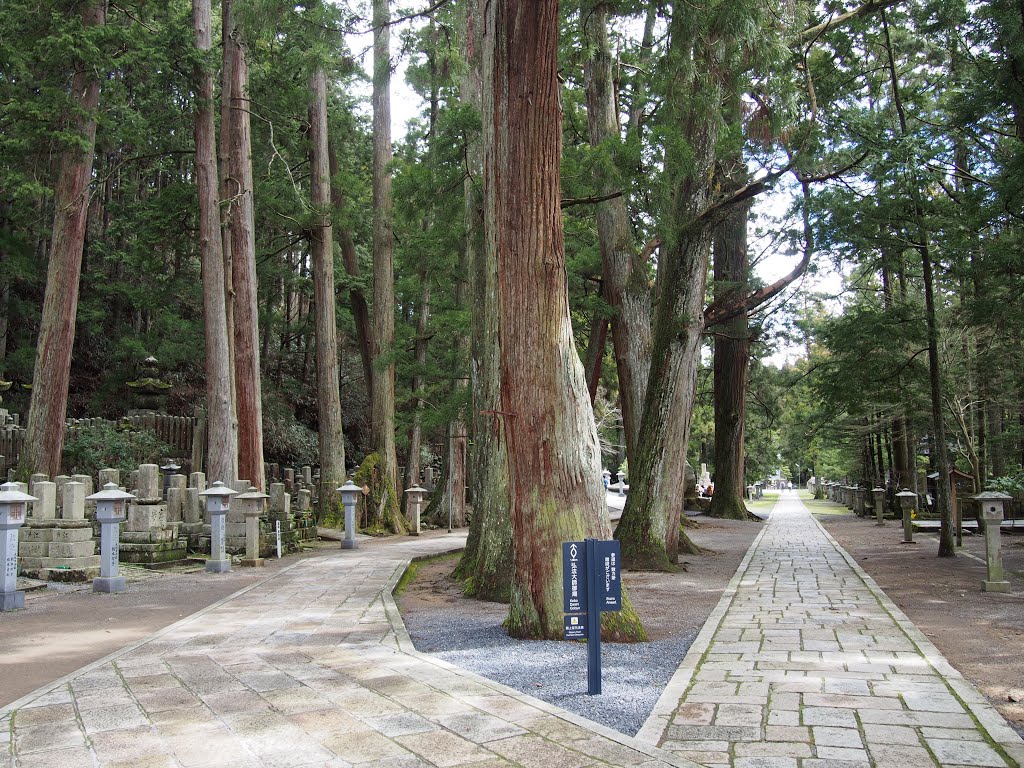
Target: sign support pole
[{"x": 593, "y": 622}]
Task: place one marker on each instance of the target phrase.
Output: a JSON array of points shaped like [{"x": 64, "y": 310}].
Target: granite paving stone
[
  {"x": 309, "y": 667},
  {"x": 847, "y": 681}
]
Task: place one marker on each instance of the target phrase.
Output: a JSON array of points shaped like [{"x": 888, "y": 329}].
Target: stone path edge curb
[
  {"x": 978, "y": 706},
  {"x": 670, "y": 699},
  {"x": 7, "y": 709},
  {"x": 405, "y": 645}
]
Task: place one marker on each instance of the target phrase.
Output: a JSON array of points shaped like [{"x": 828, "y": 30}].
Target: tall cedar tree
[
  {"x": 44, "y": 441},
  {"x": 554, "y": 455}
]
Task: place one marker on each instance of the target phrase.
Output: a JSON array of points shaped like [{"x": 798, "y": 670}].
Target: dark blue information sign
[
  {"x": 574, "y": 577},
  {"x": 591, "y": 585},
  {"x": 608, "y": 581}
]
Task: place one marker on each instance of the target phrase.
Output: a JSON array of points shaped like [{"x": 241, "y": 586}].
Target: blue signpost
[{"x": 591, "y": 584}]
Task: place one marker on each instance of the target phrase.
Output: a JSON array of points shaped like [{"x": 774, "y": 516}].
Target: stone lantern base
[
  {"x": 109, "y": 584},
  {"x": 11, "y": 601},
  {"x": 995, "y": 586}
]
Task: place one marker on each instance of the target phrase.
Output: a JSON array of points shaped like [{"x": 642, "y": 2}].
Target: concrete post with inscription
[
  {"x": 992, "y": 516},
  {"x": 251, "y": 505},
  {"x": 13, "y": 511},
  {"x": 111, "y": 511},
  {"x": 879, "y": 494},
  {"x": 415, "y": 500},
  {"x": 218, "y": 503},
  {"x": 908, "y": 503}
]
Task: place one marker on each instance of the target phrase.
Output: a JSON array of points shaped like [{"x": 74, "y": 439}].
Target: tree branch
[
  {"x": 592, "y": 200},
  {"x": 860, "y": 11}
]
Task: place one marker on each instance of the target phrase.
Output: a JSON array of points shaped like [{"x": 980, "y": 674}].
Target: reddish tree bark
[
  {"x": 249, "y": 406},
  {"x": 331, "y": 437},
  {"x": 44, "y": 441},
  {"x": 554, "y": 456},
  {"x": 382, "y": 395}
]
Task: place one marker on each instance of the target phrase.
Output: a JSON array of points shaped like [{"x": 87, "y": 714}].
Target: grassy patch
[
  {"x": 823, "y": 507},
  {"x": 416, "y": 566}
]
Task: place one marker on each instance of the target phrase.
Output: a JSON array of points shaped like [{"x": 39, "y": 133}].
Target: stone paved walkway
[
  {"x": 309, "y": 668},
  {"x": 807, "y": 664}
]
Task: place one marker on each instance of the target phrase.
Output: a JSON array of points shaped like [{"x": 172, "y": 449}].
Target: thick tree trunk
[
  {"x": 486, "y": 565},
  {"x": 412, "y": 466},
  {"x": 593, "y": 362},
  {"x": 249, "y": 406},
  {"x": 357, "y": 299},
  {"x": 650, "y": 525},
  {"x": 228, "y": 187},
  {"x": 625, "y": 283},
  {"x": 382, "y": 394},
  {"x": 331, "y": 437},
  {"x": 732, "y": 343},
  {"x": 731, "y": 356},
  {"x": 554, "y": 455},
  {"x": 44, "y": 441},
  {"x": 220, "y": 460}
]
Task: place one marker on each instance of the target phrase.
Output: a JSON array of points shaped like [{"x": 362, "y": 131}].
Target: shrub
[{"x": 97, "y": 447}]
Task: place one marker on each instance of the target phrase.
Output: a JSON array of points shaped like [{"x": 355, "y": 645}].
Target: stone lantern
[
  {"x": 415, "y": 500},
  {"x": 991, "y": 503},
  {"x": 218, "y": 503},
  {"x": 251, "y": 505},
  {"x": 349, "y": 495},
  {"x": 622, "y": 483},
  {"x": 13, "y": 506},
  {"x": 170, "y": 468},
  {"x": 879, "y": 494},
  {"x": 908, "y": 503},
  {"x": 111, "y": 511}
]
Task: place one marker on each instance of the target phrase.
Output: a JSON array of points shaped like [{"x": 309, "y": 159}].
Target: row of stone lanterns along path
[
  {"x": 991, "y": 503},
  {"x": 111, "y": 511}
]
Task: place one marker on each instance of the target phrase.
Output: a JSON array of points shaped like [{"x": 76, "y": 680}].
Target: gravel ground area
[{"x": 673, "y": 607}]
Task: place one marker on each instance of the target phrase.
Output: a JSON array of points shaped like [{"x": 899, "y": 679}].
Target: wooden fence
[{"x": 181, "y": 433}]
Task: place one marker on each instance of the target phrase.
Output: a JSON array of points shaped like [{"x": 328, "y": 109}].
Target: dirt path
[{"x": 655, "y": 595}]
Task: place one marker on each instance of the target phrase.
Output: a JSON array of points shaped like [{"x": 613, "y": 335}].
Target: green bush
[
  {"x": 286, "y": 441},
  {"x": 97, "y": 447},
  {"x": 1012, "y": 484}
]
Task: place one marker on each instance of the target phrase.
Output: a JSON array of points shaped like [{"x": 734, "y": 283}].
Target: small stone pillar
[
  {"x": 349, "y": 494},
  {"x": 197, "y": 480},
  {"x": 279, "y": 500},
  {"x": 74, "y": 501},
  {"x": 13, "y": 511},
  {"x": 307, "y": 475},
  {"x": 879, "y": 494},
  {"x": 218, "y": 503},
  {"x": 110, "y": 475},
  {"x": 45, "y": 507},
  {"x": 111, "y": 511},
  {"x": 992, "y": 516},
  {"x": 415, "y": 500},
  {"x": 908, "y": 503},
  {"x": 251, "y": 505}
]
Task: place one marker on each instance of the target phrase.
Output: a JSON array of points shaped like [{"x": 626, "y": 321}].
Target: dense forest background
[{"x": 888, "y": 135}]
